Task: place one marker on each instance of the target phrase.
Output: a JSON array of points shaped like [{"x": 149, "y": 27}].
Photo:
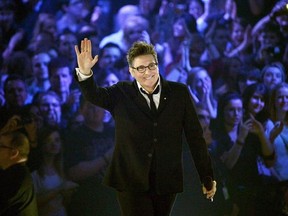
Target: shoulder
[{"x": 175, "y": 86}]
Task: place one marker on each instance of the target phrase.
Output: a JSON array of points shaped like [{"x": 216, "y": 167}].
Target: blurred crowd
[{"x": 232, "y": 55}]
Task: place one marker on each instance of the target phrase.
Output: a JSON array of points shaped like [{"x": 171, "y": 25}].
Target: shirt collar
[{"x": 158, "y": 84}]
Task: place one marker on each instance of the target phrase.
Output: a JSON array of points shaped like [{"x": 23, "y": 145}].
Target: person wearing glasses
[
  {"x": 17, "y": 195},
  {"x": 150, "y": 116}
]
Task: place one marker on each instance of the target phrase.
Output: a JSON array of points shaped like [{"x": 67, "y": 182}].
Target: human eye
[
  {"x": 152, "y": 66},
  {"x": 141, "y": 68}
]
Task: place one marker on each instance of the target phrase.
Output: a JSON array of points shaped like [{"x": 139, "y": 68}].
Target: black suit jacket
[{"x": 139, "y": 135}]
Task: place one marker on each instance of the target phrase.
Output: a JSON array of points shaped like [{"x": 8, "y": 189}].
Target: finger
[
  {"x": 251, "y": 116},
  {"x": 95, "y": 59},
  {"x": 76, "y": 50},
  {"x": 82, "y": 45},
  {"x": 89, "y": 46}
]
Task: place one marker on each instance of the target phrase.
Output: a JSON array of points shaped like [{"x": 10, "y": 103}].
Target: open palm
[{"x": 84, "y": 57}]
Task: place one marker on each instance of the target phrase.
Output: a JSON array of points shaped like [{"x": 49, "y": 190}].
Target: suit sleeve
[
  {"x": 99, "y": 96},
  {"x": 195, "y": 139}
]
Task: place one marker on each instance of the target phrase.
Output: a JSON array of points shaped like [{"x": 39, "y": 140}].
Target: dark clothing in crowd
[
  {"x": 91, "y": 197},
  {"x": 17, "y": 197}
]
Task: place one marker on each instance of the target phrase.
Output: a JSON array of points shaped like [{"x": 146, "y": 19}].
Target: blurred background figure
[
  {"x": 17, "y": 196},
  {"x": 51, "y": 186},
  {"x": 40, "y": 79},
  {"x": 88, "y": 153}
]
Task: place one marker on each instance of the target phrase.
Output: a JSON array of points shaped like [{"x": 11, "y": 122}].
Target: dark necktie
[{"x": 150, "y": 96}]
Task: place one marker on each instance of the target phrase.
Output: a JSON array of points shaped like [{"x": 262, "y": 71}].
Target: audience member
[
  {"x": 66, "y": 41},
  {"x": 12, "y": 37},
  {"x": 268, "y": 45},
  {"x": 278, "y": 111},
  {"x": 49, "y": 108},
  {"x": 15, "y": 94},
  {"x": 19, "y": 63},
  {"x": 27, "y": 13},
  {"x": 196, "y": 9},
  {"x": 191, "y": 51},
  {"x": 88, "y": 154},
  {"x": 73, "y": 17},
  {"x": 200, "y": 85},
  {"x": 134, "y": 29},
  {"x": 110, "y": 59},
  {"x": 101, "y": 17},
  {"x": 45, "y": 23},
  {"x": 43, "y": 42},
  {"x": 256, "y": 103},
  {"x": 225, "y": 77},
  {"x": 240, "y": 44},
  {"x": 278, "y": 136},
  {"x": 239, "y": 142},
  {"x": 217, "y": 39},
  {"x": 40, "y": 79},
  {"x": 52, "y": 189},
  {"x": 61, "y": 83},
  {"x": 17, "y": 196},
  {"x": 183, "y": 26},
  {"x": 120, "y": 19},
  {"x": 89, "y": 31},
  {"x": 273, "y": 74}
]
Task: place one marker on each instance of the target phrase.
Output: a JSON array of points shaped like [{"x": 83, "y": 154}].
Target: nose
[{"x": 237, "y": 112}]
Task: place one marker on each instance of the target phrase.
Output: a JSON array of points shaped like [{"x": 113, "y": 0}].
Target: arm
[
  {"x": 85, "y": 169},
  {"x": 14, "y": 41},
  {"x": 231, "y": 157},
  {"x": 259, "y": 25},
  {"x": 207, "y": 98},
  {"x": 198, "y": 147},
  {"x": 245, "y": 43},
  {"x": 266, "y": 146}
]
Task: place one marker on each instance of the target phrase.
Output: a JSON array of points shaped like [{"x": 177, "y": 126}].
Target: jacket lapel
[
  {"x": 140, "y": 101},
  {"x": 165, "y": 95}
]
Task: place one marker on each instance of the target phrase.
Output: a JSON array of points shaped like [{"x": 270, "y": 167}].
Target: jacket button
[
  {"x": 150, "y": 155},
  {"x": 155, "y": 124},
  {"x": 155, "y": 140}
]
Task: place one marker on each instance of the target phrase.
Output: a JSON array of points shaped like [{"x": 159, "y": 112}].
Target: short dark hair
[
  {"x": 56, "y": 63},
  {"x": 13, "y": 77},
  {"x": 140, "y": 48},
  {"x": 109, "y": 45}
]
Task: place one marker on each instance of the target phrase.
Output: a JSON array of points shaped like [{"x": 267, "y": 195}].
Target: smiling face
[
  {"x": 149, "y": 78},
  {"x": 237, "y": 34},
  {"x": 256, "y": 103},
  {"x": 281, "y": 102},
  {"x": 202, "y": 81}
]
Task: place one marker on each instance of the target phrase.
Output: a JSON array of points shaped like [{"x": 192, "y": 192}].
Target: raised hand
[
  {"x": 84, "y": 58},
  {"x": 276, "y": 131}
]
